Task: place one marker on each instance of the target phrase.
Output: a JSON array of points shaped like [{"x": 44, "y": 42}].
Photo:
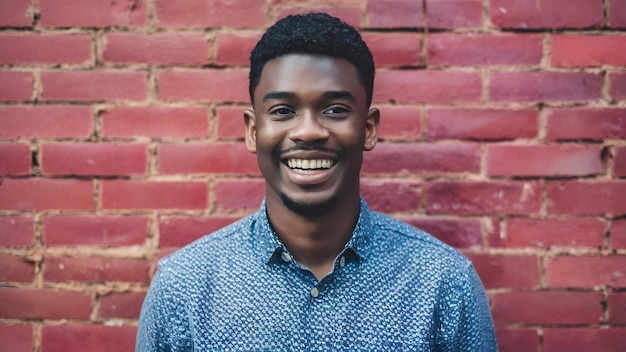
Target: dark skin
[{"x": 309, "y": 127}]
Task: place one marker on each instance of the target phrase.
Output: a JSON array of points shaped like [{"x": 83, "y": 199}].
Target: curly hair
[{"x": 317, "y": 34}]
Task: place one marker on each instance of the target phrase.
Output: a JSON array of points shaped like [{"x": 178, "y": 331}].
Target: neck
[{"x": 315, "y": 242}]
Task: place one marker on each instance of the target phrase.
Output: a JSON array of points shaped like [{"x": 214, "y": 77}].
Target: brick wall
[{"x": 503, "y": 133}]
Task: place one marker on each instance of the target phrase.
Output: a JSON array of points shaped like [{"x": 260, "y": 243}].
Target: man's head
[
  {"x": 315, "y": 34},
  {"x": 310, "y": 122}
]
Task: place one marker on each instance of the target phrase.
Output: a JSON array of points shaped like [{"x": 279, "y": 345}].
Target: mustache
[{"x": 308, "y": 148}]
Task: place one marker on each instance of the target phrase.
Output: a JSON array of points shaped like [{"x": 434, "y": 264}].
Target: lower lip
[{"x": 307, "y": 177}]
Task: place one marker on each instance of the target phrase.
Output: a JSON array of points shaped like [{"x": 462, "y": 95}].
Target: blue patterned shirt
[{"x": 393, "y": 287}]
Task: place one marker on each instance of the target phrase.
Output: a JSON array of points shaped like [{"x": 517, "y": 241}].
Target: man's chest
[{"x": 297, "y": 314}]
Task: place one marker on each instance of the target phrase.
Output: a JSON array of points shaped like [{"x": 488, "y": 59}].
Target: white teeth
[{"x": 306, "y": 164}]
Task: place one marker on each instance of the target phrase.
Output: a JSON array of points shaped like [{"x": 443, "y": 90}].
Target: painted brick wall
[{"x": 503, "y": 133}]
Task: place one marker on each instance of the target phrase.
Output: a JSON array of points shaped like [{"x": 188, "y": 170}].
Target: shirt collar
[{"x": 270, "y": 248}]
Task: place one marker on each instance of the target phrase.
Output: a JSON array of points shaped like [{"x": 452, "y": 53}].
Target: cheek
[{"x": 270, "y": 136}]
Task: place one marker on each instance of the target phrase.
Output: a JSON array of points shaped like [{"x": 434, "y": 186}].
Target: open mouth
[
  {"x": 309, "y": 164},
  {"x": 309, "y": 172}
]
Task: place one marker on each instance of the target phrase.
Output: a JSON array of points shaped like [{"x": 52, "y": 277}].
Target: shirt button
[
  {"x": 315, "y": 292},
  {"x": 342, "y": 261},
  {"x": 285, "y": 257}
]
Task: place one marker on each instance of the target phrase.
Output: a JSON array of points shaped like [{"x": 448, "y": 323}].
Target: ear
[
  {"x": 250, "y": 120},
  {"x": 371, "y": 129}
]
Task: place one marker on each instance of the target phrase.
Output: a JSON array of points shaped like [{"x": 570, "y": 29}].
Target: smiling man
[{"x": 314, "y": 268}]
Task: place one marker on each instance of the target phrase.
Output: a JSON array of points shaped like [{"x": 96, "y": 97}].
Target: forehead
[{"x": 304, "y": 74}]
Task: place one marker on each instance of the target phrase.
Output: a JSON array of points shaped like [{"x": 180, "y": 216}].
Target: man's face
[{"x": 309, "y": 127}]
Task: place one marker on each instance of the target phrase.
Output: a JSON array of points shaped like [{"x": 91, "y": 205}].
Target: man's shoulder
[{"x": 218, "y": 243}]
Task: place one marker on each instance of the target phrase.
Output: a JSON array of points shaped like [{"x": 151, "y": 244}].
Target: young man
[{"x": 314, "y": 268}]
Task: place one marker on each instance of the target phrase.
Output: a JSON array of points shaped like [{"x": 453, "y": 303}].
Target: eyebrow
[
  {"x": 278, "y": 95},
  {"x": 330, "y": 95}
]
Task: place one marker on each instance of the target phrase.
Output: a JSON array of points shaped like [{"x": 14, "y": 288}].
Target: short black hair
[{"x": 316, "y": 34}]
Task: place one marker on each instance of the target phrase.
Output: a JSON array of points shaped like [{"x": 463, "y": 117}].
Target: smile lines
[{"x": 306, "y": 164}]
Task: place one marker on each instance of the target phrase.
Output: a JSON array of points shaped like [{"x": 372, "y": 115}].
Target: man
[{"x": 314, "y": 268}]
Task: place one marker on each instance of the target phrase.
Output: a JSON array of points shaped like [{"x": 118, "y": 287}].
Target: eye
[
  {"x": 282, "y": 111},
  {"x": 337, "y": 111}
]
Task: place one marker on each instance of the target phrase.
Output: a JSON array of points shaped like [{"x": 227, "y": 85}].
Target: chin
[{"x": 309, "y": 209}]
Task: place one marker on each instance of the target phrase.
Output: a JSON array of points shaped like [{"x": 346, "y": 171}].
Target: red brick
[
  {"x": 459, "y": 233},
  {"x": 15, "y": 158},
  {"x": 498, "y": 271},
  {"x": 234, "y": 49},
  {"x": 156, "y": 122},
  {"x": 546, "y": 14},
  {"x": 547, "y": 307},
  {"x": 482, "y": 124},
  {"x": 16, "y": 269},
  {"x": 235, "y": 194},
  {"x": 16, "y": 13},
  {"x": 94, "y": 85},
  {"x": 16, "y": 86},
  {"x": 619, "y": 162},
  {"x": 587, "y": 50},
  {"x": 94, "y": 230},
  {"x": 395, "y": 14},
  {"x": 585, "y": 123},
  {"x": 39, "y": 194},
  {"x": 204, "y": 85},
  {"x": 122, "y": 305},
  {"x": 589, "y": 271},
  {"x": 388, "y": 195},
  {"x": 583, "y": 339},
  {"x": 544, "y": 86},
  {"x": 102, "y": 159},
  {"x": 465, "y": 50},
  {"x": 17, "y": 231},
  {"x": 177, "y": 231},
  {"x": 400, "y": 122},
  {"x": 617, "y": 14},
  {"x": 16, "y": 338},
  {"x": 95, "y": 269},
  {"x": 230, "y": 123},
  {"x": 94, "y": 338},
  {"x": 618, "y": 234},
  {"x": 494, "y": 229},
  {"x": 36, "y": 48},
  {"x": 483, "y": 197},
  {"x": 543, "y": 160},
  {"x": 210, "y": 13},
  {"x": 617, "y": 308},
  {"x": 453, "y": 14},
  {"x": 555, "y": 233},
  {"x": 427, "y": 86},
  {"x": 125, "y": 194},
  {"x": 36, "y": 303},
  {"x": 45, "y": 121},
  {"x": 596, "y": 197},
  {"x": 348, "y": 14},
  {"x": 394, "y": 49},
  {"x": 519, "y": 339},
  {"x": 422, "y": 158},
  {"x": 156, "y": 48},
  {"x": 617, "y": 86},
  {"x": 93, "y": 13},
  {"x": 221, "y": 158}
]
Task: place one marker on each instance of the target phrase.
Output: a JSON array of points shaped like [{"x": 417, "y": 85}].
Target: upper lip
[{"x": 310, "y": 155}]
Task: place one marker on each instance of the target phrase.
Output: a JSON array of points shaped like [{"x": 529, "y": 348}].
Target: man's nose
[{"x": 309, "y": 128}]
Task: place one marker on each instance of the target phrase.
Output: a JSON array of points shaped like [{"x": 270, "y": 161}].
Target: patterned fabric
[{"x": 393, "y": 287}]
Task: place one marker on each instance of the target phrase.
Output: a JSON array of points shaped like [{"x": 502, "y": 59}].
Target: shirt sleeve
[
  {"x": 163, "y": 323},
  {"x": 464, "y": 317}
]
